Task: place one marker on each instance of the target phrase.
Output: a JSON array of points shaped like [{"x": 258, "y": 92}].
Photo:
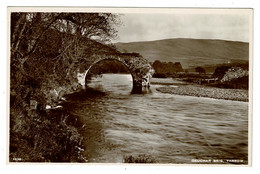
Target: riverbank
[
  {"x": 167, "y": 81},
  {"x": 40, "y": 130},
  {"x": 210, "y": 92}
]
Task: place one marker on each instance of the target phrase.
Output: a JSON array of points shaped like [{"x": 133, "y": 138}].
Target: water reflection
[{"x": 171, "y": 128}]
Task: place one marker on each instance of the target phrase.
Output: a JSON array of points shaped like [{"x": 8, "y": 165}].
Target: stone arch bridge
[{"x": 139, "y": 68}]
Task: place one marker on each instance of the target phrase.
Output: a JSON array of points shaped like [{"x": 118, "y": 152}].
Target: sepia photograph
[{"x": 130, "y": 85}]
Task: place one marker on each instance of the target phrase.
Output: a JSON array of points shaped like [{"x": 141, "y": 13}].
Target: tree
[
  {"x": 178, "y": 67},
  {"x": 221, "y": 71},
  {"x": 200, "y": 70},
  {"x": 49, "y": 48},
  {"x": 46, "y": 51},
  {"x": 54, "y": 44},
  {"x": 27, "y": 29},
  {"x": 166, "y": 68}
]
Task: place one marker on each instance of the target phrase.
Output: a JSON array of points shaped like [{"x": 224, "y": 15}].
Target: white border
[{"x": 129, "y": 168}]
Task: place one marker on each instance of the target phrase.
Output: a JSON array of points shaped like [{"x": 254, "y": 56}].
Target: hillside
[{"x": 189, "y": 52}]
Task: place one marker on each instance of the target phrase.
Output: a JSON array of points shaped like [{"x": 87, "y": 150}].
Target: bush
[
  {"x": 200, "y": 70},
  {"x": 238, "y": 83},
  {"x": 169, "y": 68},
  {"x": 220, "y": 71},
  {"x": 236, "y": 77},
  {"x": 45, "y": 137},
  {"x": 139, "y": 159}
]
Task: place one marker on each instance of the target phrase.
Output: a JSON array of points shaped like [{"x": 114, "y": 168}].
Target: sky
[{"x": 156, "y": 26}]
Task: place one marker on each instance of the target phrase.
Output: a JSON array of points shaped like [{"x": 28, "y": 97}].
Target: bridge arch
[
  {"x": 97, "y": 62},
  {"x": 139, "y": 68}
]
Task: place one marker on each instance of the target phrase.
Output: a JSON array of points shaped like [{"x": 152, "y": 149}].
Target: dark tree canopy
[
  {"x": 167, "y": 67},
  {"x": 200, "y": 70},
  {"x": 221, "y": 71},
  {"x": 28, "y": 29},
  {"x": 58, "y": 38}
]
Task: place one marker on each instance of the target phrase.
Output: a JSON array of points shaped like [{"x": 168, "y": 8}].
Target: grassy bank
[
  {"x": 46, "y": 136},
  {"x": 210, "y": 92}
]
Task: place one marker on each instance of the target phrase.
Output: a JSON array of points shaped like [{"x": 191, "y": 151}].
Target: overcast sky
[{"x": 147, "y": 27}]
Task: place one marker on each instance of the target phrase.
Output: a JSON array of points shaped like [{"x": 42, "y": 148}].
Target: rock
[{"x": 48, "y": 107}]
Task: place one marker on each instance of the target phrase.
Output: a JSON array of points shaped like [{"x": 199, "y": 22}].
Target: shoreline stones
[{"x": 210, "y": 92}]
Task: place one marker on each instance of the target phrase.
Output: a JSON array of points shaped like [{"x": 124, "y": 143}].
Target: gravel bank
[
  {"x": 210, "y": 92},
  {"x": 167, "y": 81}
]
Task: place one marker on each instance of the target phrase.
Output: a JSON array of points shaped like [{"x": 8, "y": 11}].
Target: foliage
[
  {"x": 237, "y": 83},
  {"x": 220, "y": 71},
  {"x": 51, "y": 47},
  {"x": 38, "y": 139},
  {"x": 200, "y": 70},
  {"x": 163, "y": 68},
  {"x": 234, "y": 73},
  {"x": 139, "y": 159},
  {"x": 47, "y": 51},
  {"x": 232, "y": 76}
]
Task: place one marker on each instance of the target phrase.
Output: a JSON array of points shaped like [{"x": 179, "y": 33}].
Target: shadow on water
[
  {"x": 141, "y": 90},
  {"x": 95, "y": 93},
  {"x": 85, "y": 93},
  {"x": 90, "y": 108},
  {"x": 84, "y": 107}
]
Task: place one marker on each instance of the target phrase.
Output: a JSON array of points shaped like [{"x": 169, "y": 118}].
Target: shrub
[
  {"x": 220, "y": 71},
  {"x": 200, "y": 70},
  {"x": 231, "y": 77},
  {"x": 45, "y": 137},
  {"x": 139, "y": 159}
]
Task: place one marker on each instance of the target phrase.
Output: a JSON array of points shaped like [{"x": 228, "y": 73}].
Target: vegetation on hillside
[
  {"x": 47, "y": 52},
  {"x": 200, "y": 70},
  {"x": 166, "y": 69},
  {"x": 232, "y": 75}
]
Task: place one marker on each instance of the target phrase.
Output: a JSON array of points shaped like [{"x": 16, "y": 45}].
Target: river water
[{"x": 168, "y": 128}]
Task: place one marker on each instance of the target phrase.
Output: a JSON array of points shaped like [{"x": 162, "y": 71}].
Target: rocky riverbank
[{"x": 210, "y": 92}]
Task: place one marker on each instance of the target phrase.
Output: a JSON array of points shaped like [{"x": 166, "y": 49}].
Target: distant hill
[{"x": 189, "y": 52}]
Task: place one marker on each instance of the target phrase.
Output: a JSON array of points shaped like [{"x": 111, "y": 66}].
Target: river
[{"x": 169, "y": 128}]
